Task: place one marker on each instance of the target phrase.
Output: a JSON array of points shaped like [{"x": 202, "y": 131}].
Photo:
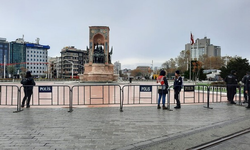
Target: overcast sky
[{"x": 140, "y": 30}]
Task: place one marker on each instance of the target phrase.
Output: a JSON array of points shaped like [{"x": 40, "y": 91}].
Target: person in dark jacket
[
  {"x": 162, "y": 89},
  {"x": 244, "y": 80},
  {"x": 247, "y": 90},
  {"x": 177, "y": 88},
  {"x": 28, "y": 83},
  {"x": 231, "y": 81}
]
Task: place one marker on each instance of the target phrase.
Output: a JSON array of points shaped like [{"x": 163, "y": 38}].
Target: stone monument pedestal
[{"x": 98, "y": 73}]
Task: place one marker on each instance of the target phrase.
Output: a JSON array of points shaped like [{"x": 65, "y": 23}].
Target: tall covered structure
[
  {"x": 25, "y": 56},
  {"x": 203, "y": 47},
  {"x": 17, "y": 56},
  {"x": 73, "y": 55},
  {"x": 4, "y": 56},
  {"x": 117, "y": 67},
  {"x": 99, "y": 68}
]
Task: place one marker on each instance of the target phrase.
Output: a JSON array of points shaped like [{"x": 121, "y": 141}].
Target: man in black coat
[
  {"x": 28, "y": 83},
  {"x": 244, "y": 80},
  {"x": 177, "y": 88},
  {"x": 232, "y": 83},
  {"x": 247, "y": 89}
]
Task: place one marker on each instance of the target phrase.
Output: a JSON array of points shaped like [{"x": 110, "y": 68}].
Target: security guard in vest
[
  {"x": 177, "y": 88},
  {"x": 232, "y": 83}
]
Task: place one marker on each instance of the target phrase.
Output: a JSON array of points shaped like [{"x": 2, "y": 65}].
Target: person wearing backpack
[
  {"x": 162, "y": 89},
  {"x": 177, "y": 88},
  {"x": 28, "y": 83}
]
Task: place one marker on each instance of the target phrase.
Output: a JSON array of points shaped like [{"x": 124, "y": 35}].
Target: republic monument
[{"x": 99, "y": 68}]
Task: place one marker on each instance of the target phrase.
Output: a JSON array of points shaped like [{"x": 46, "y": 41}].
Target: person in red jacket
[{"x": 162, "y": 89}]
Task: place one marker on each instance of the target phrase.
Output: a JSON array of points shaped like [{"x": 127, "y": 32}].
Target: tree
[
  {"x": 136, "y": 72},
  {"x": 165, "y": 65},
  {"x": 182, "y": 60},
  {"x": 196, "y": 68},
  {"x": 11, "y": 69},
  {"x": 213, "y": 62},
  {"x": 241, "y": 66},
  {"x": 195, "y": 75},
  {"x": 169, "y": 66}
]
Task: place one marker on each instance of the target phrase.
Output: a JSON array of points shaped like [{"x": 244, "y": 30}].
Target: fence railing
[
  {"x": 96, "y": 94},
  {"x": 112, "y": 94}
]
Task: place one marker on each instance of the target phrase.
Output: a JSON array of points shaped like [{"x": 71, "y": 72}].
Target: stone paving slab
[
  {"x": 239, "y": 143},
  {"x": 106, "y": 128}
]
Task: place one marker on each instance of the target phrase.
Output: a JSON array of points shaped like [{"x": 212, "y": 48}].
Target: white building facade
[{"x": 37, "y": 59}]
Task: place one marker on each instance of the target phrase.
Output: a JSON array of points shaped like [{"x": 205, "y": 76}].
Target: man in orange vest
[{"x": 162, "y": 89}]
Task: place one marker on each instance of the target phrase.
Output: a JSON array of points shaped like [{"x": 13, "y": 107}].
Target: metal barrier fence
[
  {"x": 44, "y": 95},
  {"x": 112, "y": 94},
  {"x": 96, "y": 94},
  {"x": 8, "y": 96}
]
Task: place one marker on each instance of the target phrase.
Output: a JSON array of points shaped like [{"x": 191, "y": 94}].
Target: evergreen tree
[{"x": 241, "y": 66}]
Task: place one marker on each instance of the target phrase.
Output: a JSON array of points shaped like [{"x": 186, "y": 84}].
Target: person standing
[
  {"x": 177, "y": 88},
  {"x": 28, "y": 83},
  {"x": 162, "y": 89},
  {"x": 247, "y": 88},
  {"x": 231, "y": 82},
  {"x": 244, "y": 79}
]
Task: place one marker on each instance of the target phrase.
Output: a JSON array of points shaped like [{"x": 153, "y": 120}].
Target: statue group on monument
[{"x": 98, "y": 55}]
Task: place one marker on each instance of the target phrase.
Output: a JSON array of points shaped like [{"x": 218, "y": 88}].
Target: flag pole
[
  {"x": 191, "y": 44},
  {"x": 190, "y": 62}
]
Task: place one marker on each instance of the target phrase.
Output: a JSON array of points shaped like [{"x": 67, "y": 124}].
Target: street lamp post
[{"x": 72, "y": 66}]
